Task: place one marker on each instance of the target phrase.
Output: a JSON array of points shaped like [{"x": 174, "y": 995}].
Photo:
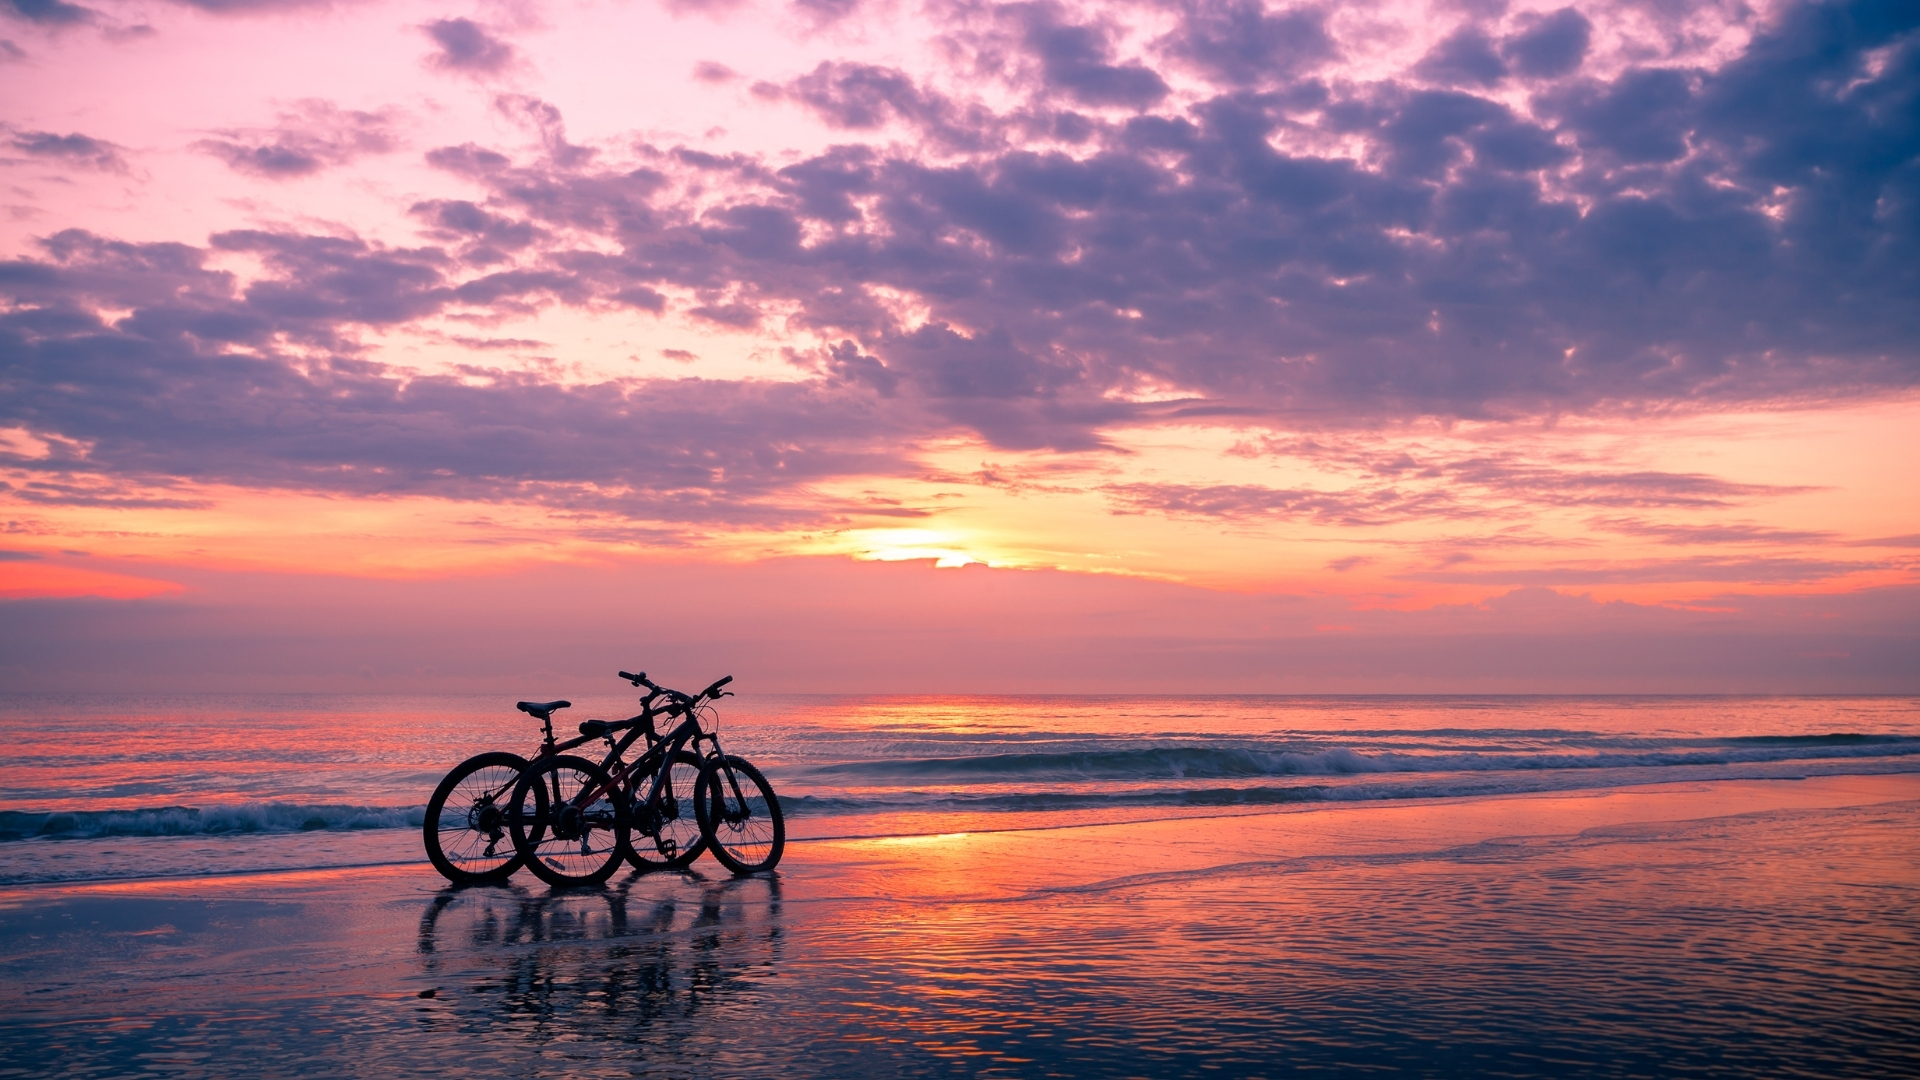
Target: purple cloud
[
  {"x": 1076, "y": 59},
  {"x": 1242, "y": 43},
  {"x": 49, "y": 12},
  {"x": 1780, "y": 571},
  {"x": 484, "y": 238},
  {"x": 1368, "y": 506},
  {"x": 1713, "y": 534},
  {"x": 249, "y": 7},
  {"x": 1467, "y": 58},
  {"x": 467, "y": 48},
  {"x": 861, "y": 95},
  {"x": 1659, "y": 239},
  {"x": 827, "y": 11},
  {"x": 1551, "y": 45},
  {"x": 157, "y": 394},
  {"x": 317, "y": 135},
  {"x": 76, "y": 149}
]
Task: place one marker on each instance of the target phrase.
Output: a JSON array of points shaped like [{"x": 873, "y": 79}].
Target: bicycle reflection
[{"x": 650, "y": 948}]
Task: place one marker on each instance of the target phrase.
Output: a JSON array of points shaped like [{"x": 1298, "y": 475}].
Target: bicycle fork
[{"x": 719, "y": 759}]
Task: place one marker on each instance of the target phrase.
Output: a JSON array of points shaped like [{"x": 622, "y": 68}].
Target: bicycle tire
[
  {"x": 465, "y": 845},
  {"x": 742, "y": 839},
  {"x": 564, "y": 842},
  {"x": 679, "y": 827}
]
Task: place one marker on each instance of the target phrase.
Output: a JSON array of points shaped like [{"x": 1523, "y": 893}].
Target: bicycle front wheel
[
  {"x": 466, "y": 823},
  {"x": 568, "y": 819},
  {"x": 666, "y": 833},
  {"x": 739, "y": 815}
]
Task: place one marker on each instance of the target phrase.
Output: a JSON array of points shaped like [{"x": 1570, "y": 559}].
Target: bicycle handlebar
[{"x": 713, "y": 692}]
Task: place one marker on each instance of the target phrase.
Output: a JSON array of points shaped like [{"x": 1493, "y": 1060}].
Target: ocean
[
  {"x": 216, "y": 886},
  {"x": 104, "y": 787}
]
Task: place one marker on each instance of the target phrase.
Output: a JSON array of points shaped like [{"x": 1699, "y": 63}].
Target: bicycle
[
  {"x": 562, "y": 801},
  {"x": 465, "y": 827}
]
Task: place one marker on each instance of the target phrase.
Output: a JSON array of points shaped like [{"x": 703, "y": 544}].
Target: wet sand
[{"x": 1762, "y": 927}]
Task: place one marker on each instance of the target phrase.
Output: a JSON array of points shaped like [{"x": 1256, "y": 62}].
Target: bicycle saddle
[
  {"x": 542, "y": 709},
  {"x": 605, "y": 727}
]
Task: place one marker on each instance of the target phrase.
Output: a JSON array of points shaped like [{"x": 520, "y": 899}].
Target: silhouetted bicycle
[
  {"x": 571, "y": 821},
  {"x": 466, "y": 828}
]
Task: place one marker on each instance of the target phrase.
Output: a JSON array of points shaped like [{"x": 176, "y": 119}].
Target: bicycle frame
[{"x": 660, "y": 748}]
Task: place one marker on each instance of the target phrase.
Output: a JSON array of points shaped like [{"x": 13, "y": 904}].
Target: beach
[{"x": 1763, "y": 926}]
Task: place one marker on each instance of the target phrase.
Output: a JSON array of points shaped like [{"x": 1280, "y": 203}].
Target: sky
[{"x": 896, "y": 346}]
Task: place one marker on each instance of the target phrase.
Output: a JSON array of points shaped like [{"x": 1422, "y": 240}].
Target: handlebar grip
[
  {"x": 715, "y": 688},
  {"x": 634, "y": 679}
]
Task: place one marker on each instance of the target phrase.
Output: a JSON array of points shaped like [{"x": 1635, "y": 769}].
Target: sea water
[
  {"x": 103, "y": 787},
  {"x": 221, "y": 886}
]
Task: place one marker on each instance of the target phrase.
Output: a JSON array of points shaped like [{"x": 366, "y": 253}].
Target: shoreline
[
  {"x": 1614, "y": 807},
  {"x": 1752, "y": 926}
]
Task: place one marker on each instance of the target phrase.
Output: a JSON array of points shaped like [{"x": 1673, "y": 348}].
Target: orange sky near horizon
[{"x": 1816, "y": 501}]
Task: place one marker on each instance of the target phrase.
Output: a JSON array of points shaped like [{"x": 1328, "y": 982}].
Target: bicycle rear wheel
[
  {"x": 666, "y": 834},
  {"x": 739, "y": 815},
  {"x": 466, "y": 824},
  {"x": 569, "y": 821}
]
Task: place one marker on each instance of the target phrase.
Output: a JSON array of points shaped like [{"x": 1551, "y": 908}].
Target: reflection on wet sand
[
  {"x": 1597, "y": 936},
  {"x": 635, "y": 962}
]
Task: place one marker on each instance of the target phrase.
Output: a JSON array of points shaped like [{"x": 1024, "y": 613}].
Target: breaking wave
[
  {"x": 1201, "y": 762},
  {"x": 1095, "y": 779},
  {"x": 241, "y": 820}
]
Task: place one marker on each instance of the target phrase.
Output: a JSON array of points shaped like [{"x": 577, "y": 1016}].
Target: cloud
[
  {"x": 1456, "y": 278},
  {"x": 1452, "y": 280},
  {"x": 1242, "y": 43},
  {"x": 544, "y": 119},
  {"x": 250, "y": 7},
  {"x": 1075, "y": 60},
  {"x": 711, "y": 8},
  {"x": 1713, "y": 534},
  {"x": 76, "y": 149},
  {"x": 1359, "y": 507},
  {"x": 485, "y": 238},
  {"x": 826, "y": 12},
  {"x": 1581, "y": 487},
  {"x": 861, "y": 95},
  {"x": 1642, "y": 118},
  {"x": 159, "y": 394},
  {"x": 49, "y": 12},
  {"x": 316, "y": 135},
  {"x": 107, "y": 493},
  {"x": 1777, "y": 571},
  {"x": 864, "y": 97},
  {"x": 1642, "y": 240},
  {"x": 1467, "y": 58},
  {"x": 1551, "y": 45},
  {"x": 467, "y": 48}
]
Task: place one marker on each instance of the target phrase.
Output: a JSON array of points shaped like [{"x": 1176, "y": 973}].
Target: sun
[{"x": 946, "y": 549}]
